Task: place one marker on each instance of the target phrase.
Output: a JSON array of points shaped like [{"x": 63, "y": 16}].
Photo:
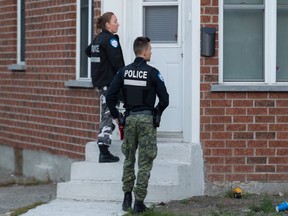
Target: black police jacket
[
  {"x": 106, "y": 58},
  {"x": 140, "y": 84}
]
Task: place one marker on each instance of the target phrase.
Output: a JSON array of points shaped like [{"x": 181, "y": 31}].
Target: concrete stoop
[{"x": 177, "y": 174}]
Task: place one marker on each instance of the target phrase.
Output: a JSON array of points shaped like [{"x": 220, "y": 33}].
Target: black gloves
[
  {"x": 156, "y": 117},
  {"x": 121, "y": 119}
]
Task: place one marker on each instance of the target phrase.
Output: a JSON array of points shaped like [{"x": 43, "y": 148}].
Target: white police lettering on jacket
[{"x": 135, "y": 78}]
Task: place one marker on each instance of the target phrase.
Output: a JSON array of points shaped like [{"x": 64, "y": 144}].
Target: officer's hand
[
  {"x": 156, "y": 117},
  {"x": 121, "y": 120}
]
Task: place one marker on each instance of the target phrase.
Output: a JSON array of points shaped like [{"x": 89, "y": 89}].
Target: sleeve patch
[
  {"x": 114, "y": 43},
  {"x": 160, "y": 77}
]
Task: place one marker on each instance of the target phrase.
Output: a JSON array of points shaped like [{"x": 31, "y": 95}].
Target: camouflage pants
[
  {"x": 106, "y": 126},
  {"x": 139, "y": 134}
]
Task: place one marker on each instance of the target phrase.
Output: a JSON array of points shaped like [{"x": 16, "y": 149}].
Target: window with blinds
[
  {"x": 161, "y": 23},
  {"x": 282, "y": 41},
  {"x": 243, "y": 42}
]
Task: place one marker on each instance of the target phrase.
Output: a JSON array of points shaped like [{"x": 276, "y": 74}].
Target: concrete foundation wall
[
  {"x": 216, "y": 188},
  {"x": 40, "y": 165},
  {"x": 7, "y": 157}
]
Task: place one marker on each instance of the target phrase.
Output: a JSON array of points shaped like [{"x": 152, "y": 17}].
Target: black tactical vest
[{"x": 138, "y": 90}]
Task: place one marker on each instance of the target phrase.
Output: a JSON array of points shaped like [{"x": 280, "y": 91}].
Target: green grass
[
  {"x": 25, "y": 182},
  {"x": 265, "y": 207},
  {"x": 153, "y": 212},
  {"x": 24, "y": 209}
]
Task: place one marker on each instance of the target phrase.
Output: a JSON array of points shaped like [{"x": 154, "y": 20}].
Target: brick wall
[
  {"x": 244, "y": 134},
  {"x": 37, "y": 111}
]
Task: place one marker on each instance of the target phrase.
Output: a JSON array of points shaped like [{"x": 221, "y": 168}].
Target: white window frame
[
  {"x": 270, "y": 45},
  {"x": 78, "y": 39},
  {"x": 20, "y": 65},
  {"x": 19, "y": 32},
  {"x": 166, "y": 3}
]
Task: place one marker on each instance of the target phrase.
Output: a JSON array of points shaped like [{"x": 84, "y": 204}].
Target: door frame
[{"x": 191, "y": 57}]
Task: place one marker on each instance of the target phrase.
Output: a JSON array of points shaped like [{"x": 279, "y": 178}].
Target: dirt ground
[{"x": 226, "y": 205}]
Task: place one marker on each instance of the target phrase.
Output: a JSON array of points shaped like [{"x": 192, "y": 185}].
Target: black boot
[
  {"x": 127, "y": 202},
  {"x": 139, "y": 207},
  {"x": 105, "y": 156}
]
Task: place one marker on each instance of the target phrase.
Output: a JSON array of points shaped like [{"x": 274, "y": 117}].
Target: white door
[{"x": 160, "y": 20}]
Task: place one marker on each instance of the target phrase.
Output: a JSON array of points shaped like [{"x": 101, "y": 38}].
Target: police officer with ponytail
[
  {"x": 106, "y": 59},
  {"x": 140, "y": 85}
]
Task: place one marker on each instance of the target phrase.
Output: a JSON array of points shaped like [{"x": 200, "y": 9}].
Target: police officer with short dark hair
[
  {"x": 140, "y": 84},
  {"x": 106, "y": 59}
]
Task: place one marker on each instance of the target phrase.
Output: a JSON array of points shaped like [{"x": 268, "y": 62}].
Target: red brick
[
  {"x": 214, "y": 144},
  {"x": 281, "y": 95},
  {"x": 278, "y": 160},
  {"x": 236, "y": 111},
  {"x": 242, "y": 103},
  {"x": 265, "y": 135},
  {"x": 215, "y": 177},
  {"x": 257, "y": 160},
  {"x": 243, "y": 168},
  {"x": 257, "y": 177},
  {"x": 214, "y": 111},
  {"x": 236, "y": 144},
  {"x": 282, "y": 103},
  {"x": 257, "y": 111},
  {"x": 278, "y": 127},
  {"x": 205, "y": 135},
  {"x": 235, "y": 177},
  {"x": 278, "y": 177},
  {"x": 205, "y": 3},
  {"x": 236, "y": 127},
  {"x": 221, "y": 152},
  {"x": 282, "y": 152},
  {"x": 221, "y": 169},
  {"x": 278, "y": 111},
  {"x": 237, "y": 96},
  {"x": 211, "y": 10},
  {"x": 281, "y": 119},
  {"x": 214, "y": 127},
  {"x": 257, "y": 95},
  {"x": 205, "y": 103},
  {"x": 264, "y": 103},
  {"x": 242, "y": 119},
  {"x": 221, "y": 103},
  {"x": 222, "y": 135},
  {"x": 205, "y": 19},
  {"x": 257, "y": 127},
  {"x": 281, "y": 168},
  {"x": 265, "y": 119},
  {"x": 221, "y": 119},
  {"x": 243, "y": 152},
  {"x": 265, "y": 152},
  {"x": 257, "y": 143},
  {"x": 282, "y": 135},
  {"x": 243, "y": 135},
  {"x": 277, "y": 144},
  {"x": 214, "y": 160},
  {"x": 234, "y": 160},
  {"x": 215, "y": 3},
  {"x": 265, "y": 168}
]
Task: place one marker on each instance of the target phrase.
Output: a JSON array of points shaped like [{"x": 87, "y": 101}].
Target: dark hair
[
  {"x": 102, "y": 20},
  {"x": 140, "y": 44}
]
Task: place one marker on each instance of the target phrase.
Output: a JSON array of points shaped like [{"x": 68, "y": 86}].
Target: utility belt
[
  {"x": 156, "y": 116},
  {"x": 141, "y": 112}
]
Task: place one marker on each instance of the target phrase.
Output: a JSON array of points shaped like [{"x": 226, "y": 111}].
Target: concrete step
[
  {"x": 110, "y": 189},
  {"x": 177, "y": 173},
  {"x": 168, "y": 152},
  {"x": 94, "y": 171}
]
